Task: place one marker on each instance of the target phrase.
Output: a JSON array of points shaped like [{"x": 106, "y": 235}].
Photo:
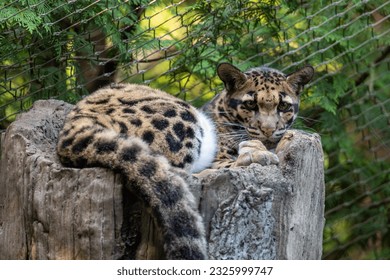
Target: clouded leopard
[{"x": 152, "y": 138}]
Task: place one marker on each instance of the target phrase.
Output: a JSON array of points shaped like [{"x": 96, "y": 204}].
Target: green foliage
[
  {"x": 39, "y": 40},
  {"x": 221, "y": 32},
  {"x": 28, "y": 15}
]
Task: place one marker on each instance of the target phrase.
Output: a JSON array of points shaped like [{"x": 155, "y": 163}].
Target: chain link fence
[{"x": 67, "y": 49}]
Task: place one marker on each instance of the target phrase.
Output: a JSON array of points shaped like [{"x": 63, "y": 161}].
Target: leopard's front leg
[
  {"x": 254, "y": 151},
  {"x": 225, "y": 158},
  {"x": 251, "y": 151}
]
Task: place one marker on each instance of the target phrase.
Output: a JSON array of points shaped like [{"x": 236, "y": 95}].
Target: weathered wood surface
[{"x": 51, "y": 212}]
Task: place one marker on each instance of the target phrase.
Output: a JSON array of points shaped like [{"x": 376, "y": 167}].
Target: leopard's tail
[{"x": 151, "y": 177}]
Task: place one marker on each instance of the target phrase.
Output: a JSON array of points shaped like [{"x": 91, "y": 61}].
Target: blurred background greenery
[{"x": 67, "y": 49}]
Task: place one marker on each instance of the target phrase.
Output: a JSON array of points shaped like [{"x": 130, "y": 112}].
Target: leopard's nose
[{"x": 267, "y": 131}]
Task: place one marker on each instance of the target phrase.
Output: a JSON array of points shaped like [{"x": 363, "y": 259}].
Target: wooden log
[
  {"x": 51, "y": 212},
  {"x": 268, "y": 212}
]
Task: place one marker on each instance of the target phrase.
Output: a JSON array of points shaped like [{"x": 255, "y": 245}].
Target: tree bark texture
[{"x": 48, "y": 211}]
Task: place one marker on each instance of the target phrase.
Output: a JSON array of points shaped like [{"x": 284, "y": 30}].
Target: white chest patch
[{"x": 209, "y": 146}]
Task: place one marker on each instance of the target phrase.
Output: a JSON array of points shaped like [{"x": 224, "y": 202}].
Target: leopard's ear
[
  {"x": 300, "y": 78},
  {"x": 231, "y": 76}
]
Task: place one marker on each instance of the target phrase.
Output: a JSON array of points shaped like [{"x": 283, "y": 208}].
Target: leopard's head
[{"x": 263, "y": 101}]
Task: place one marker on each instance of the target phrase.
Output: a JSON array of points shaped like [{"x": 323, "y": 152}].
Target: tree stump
[{"x": 48, "y": 211}]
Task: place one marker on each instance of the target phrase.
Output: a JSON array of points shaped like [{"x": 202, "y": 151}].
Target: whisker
[
  {"x": 304, "y": 127},
  {"x": 230, "y": 124},
  {"x": 232, "y": 134},
  {"x": 308, "y": 119},
  {"x": 235, "y": 138}
]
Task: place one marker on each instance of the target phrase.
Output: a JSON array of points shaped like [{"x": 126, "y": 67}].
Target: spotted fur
[
  {"x": 150, "y": 137},
  {"x": 258, "y": 105}
]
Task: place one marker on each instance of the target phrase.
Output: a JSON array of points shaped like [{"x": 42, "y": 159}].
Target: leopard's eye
[
  {"x": 249, "y": 104},
  {"x": 284, "y": 106}
]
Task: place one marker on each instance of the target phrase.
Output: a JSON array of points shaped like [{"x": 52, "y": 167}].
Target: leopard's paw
[
  {"x": 254, "y": 151},
  {"x": 285, "y": 142}
]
